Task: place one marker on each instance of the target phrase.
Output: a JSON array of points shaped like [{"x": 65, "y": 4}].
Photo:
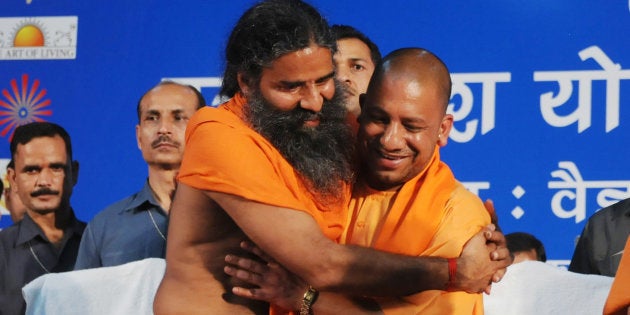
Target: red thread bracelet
[{"x": 452, "y": 272}]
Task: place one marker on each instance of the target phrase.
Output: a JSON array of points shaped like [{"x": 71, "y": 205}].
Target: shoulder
[
  {"x": 210, "y": 117},
  {"x": 461, "y": 195},
  {"x": 114, "y": 210},
  {"x": 612, "y": 212},
  {"x": 8, "y": 235},
  {"x": 462, "y": 202}
]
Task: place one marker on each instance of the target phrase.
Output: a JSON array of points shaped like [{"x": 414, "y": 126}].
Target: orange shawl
[
  {"x": 619, "y": 297},
  {"x": 224, "y": 154},
  {"x": 409, "y": 231},
  {"x": 432, "y": 215}
]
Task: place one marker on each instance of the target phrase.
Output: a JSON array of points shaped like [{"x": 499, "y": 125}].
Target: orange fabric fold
[
  {"x": 430, "y": 215},
  {"x": 408, "y": 231},
  {"x": 224, "y": 154},
  {"x": 619, "y": 297}
]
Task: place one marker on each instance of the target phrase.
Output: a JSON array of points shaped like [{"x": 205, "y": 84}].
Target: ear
[
  {"x": 445, "y": 129},
  {"x": 243, "y": 83},
  {"x": 138, "y": 140},
  {"x": 11, "y": 178}
]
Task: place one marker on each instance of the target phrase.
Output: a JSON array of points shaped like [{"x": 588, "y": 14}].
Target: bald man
[
  {"x": 406, "y": 199},
  {"x": 134, "y": 228}
]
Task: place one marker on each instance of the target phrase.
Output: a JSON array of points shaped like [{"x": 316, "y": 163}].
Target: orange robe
[
  {"x": 618, "y": 300},
  {"x": 431, "y": 215},
  {"x": 223, "y": 154}
]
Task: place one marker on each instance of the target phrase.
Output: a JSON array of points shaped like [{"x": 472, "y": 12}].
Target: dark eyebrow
[
  {"x": 58, "y": 165},
  {"x": 326, "y": 77},
  {"x": 152, "y": 112},
  {"x": 299, "y": 83},
  {"x": 358, "y": 59},
  {"x": 27, "y": 168}
]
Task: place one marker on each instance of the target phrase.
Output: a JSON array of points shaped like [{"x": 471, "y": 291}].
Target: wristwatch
[{"x": 310, "y": 296}]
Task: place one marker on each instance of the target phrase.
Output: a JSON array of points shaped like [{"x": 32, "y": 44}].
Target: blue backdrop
[{"x": 541, "y": 92}]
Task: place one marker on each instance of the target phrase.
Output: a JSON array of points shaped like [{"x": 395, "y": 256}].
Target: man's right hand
[{"x": 484, "y": 260}]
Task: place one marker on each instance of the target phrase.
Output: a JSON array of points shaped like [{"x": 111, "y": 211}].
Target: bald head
[
  {"x": 403, "y": 117},
  {"x": 418, "y": 66}
]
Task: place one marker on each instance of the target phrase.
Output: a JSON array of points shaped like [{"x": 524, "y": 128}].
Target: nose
[
  {"x": 45, "y": 177},
  {"x": 165, "y": 127},
  {"x": 392, "y": 138},
  {"x": 312, "y": 98},
  {"x": 343, "y": 75}
]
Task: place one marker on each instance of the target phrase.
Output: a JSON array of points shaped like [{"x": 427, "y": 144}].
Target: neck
[
  {"x": 162, "y": 184},
  {"x": 52, "y": 223},
  {"x": 382, "y": 187}
]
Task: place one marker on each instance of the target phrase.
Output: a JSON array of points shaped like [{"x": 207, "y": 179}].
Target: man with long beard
[
  {"x": 405, "y": 201},
  {"x": 274, "y": 165}
]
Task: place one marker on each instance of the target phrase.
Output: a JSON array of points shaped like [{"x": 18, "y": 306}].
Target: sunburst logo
[
  {"x": 22, "y": 105},
  {"x": 38, "y": 37},
  {"x": 29, "y": 34}
]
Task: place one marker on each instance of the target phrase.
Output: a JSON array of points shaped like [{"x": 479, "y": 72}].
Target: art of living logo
[
  {"x": 21, "y": 103},
  {"x": 23, "y": 38}
]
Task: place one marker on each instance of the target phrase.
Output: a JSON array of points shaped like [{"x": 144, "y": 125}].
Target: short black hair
[
  {"x": 523, "y": 242},
  {"x": 346, "y": 31},
  {"x": 201, "y": 101},
  {"x": 267, "y": 31},
  {"x": 25, "y": 133}
]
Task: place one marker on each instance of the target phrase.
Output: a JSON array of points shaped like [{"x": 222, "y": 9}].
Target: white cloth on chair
[
  {"x": 534, "y": 287},
  {"x": 124, "y": 289}
]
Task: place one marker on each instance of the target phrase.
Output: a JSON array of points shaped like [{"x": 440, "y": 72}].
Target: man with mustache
[
  {"x": 274, "y": 164},
  {"x": 135, "y": 228},
  {"x": 47, "y": 238}
]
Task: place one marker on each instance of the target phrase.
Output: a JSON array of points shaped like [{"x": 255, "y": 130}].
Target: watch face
[{"x": 310, "y": 295}]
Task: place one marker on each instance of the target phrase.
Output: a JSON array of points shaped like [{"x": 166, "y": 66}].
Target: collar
[
  {"x": 236, "y": 105},
  {"x": 141, "y": 199},
  {"x": 29, "y": 230}
]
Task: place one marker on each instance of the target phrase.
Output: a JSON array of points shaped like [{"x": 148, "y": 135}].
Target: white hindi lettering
[
  {"x": 199, "y": 83},
  {"x": 460, "y": 87},
  {"x": 573, "y": 187},
  {"x": 475, "y": 187},
  {"x": 611, "y": 72}
]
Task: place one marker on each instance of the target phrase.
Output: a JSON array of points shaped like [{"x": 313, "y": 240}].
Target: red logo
[{"x": 22, "y": 105}]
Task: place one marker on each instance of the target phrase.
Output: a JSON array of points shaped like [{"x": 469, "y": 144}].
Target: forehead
[
  {"x": 169, "y": 97},
  {"x": 406, "y": 95},
  {"x": 353, "y": 48},
  {"x": 308, "y": 64},
  {"x": 41, "y": 149}
]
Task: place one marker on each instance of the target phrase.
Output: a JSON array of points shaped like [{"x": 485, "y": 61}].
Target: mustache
[
  {"x": 44, "y": 191},
  {"x": 164, "y": 139},
  {"x": 302, "y": 115}
]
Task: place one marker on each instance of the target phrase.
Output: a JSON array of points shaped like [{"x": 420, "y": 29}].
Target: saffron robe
[{"x": 430, "y": 215}]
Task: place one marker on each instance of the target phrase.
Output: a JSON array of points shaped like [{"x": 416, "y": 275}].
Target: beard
[{"x": 321, "y": 155}]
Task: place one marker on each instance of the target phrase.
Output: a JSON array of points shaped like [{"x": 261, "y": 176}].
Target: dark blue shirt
[
  {"x": 600, "y": 246},
  {"x": 26, "y": 253},
  {"x": 125, "y": 231}
]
